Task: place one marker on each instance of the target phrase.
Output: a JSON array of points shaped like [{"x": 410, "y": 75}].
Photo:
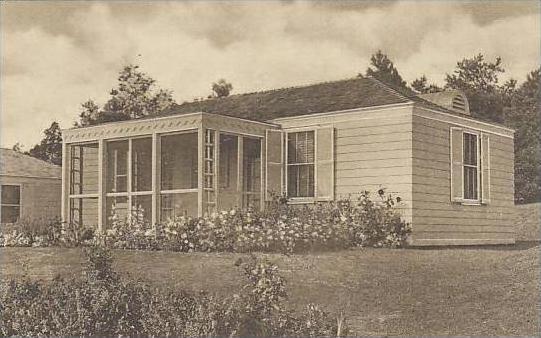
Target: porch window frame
[
  {"x": 11, "y": 205},
  {"x": 300, "y": 199}
]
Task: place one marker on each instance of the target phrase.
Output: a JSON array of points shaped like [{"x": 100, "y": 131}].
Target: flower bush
[
  {"x": 281, "y": 227},
  {"x": 103, "y": 303}
]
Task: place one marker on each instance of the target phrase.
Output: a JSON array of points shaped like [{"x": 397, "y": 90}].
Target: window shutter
[
  {"x": 325, "y": 164},
  {"x": 275, "y": 163},
  {"x": 456, "y": 150},
  {"x": 485, "y": 169}
]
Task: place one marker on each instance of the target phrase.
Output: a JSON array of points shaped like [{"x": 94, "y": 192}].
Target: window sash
[
  {"x": 301, "y": 164},
  {"x": 470, "y": 171}
]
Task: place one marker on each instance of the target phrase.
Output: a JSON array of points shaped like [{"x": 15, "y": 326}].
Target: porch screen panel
[
  {"x": 228, "y": 193},
  {"x": 84, "y": 212},
  {"x": 178, "y": 205},
  {"x": 179, "y": 161},
  {"x": 116, "y": 209},
  {"x": 275, "y": 163},
  {"x": 117, "y": 166},
  {"x": 142, "y": 164},
  {"x": 325, "y": 164}
]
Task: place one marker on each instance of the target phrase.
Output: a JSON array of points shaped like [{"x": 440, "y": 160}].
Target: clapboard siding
[
  {"x": 435, "y": 218},
  {"x": 372, "y": 151}
]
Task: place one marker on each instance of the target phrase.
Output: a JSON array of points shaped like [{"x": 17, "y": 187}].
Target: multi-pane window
[
  {"x": 300, "y": 164},
  {"x": 471, "y": 166},
  {"x": 11, "y": 203}
]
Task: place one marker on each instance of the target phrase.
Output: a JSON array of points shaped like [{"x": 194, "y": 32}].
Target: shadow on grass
[{"x": 519, "y": 245}]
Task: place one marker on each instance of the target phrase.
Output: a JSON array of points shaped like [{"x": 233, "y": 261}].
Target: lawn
[{"x": 448, "y": 291}]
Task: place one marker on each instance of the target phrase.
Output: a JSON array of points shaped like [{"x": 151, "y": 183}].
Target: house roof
[
  {"x": 13, "y": 163},
  {"x": 323, "y": 97}
]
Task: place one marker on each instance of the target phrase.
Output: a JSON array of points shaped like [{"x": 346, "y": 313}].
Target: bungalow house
[
  {"x": 30, "y": 188},
  {"x": 453, "y": 172}
]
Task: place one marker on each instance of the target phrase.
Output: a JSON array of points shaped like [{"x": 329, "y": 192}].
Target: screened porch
[{"x": 159, "y": 169}]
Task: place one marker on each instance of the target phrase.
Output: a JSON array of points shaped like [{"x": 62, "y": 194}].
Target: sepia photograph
[{"x": 267, "y": 168}]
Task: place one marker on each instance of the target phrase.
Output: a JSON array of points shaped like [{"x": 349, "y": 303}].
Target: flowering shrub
[
  {"x": 282, "y": 228},
  {"x": 102, "y": 303}
]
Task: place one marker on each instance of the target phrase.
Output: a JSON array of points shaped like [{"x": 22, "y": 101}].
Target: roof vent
[{"x": 454, "y": 100}]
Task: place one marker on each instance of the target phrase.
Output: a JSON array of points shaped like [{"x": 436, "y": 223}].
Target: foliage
[
  {"x": 478, "y": 79},
  {"x": 524, "y": 115},
  {"x": 134, "y": 97},
  {"x": 279, "y": 228},
  {"x": 222, "y": 88},
  {"x": 421, "y": 86},
  {"x": 50, "y": 147},
  {"x": 383, "y": 69},
  {"x": 102, "y": 303}
]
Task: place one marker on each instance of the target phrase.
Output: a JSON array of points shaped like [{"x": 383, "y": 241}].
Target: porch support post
[
  {"x": 102, "y": 158},
  {"x": 66, "y": 170},
  {"x": 216, "y": 169},
  {"x": 240, "y": 173},
  {"x": 263, "y": 172},
  {"x": 200, "y": 175},
  {"x": 129, "y": 183},
  {"x": 156, "y": 178}
]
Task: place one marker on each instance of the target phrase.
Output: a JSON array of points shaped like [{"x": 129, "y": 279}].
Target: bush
[
  {"x": 281, "y": 228},
  {"x": 101, "y": 303}
]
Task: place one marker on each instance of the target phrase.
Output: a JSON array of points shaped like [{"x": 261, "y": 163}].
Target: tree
[
  {"x": 134, "y": 97},
  {"x": 18, "y": 147},
  {"x": 524, "y": 115},
  {"x": 478, "y": 79},
  {"x": 222, "y": 88},
  {"x": 383, "y": 69},
  {"x": 50, "y": 147},
  {"x": 421, "y": 86}
]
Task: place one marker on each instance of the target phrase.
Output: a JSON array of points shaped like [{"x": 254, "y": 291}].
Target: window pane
[
  {"x": 142, "y": 209},
  {"x": 470, "y": 183},
  {"x": 470, "y": 149},
  {"x": 179, "y": 161},
  {"x": 176, "y": 205},
  {"x": 142, "y": 164},
  {"x": 84, "y": 169},
  {"x": 117, "y": 209},
  {"x": 11, "y": 194},
  {"x": 10, "y": 214},
  {"x": 84, "y": 211},
  {"x": 300, "y": 182},
  {"x": 117, "y": 166},
  {"x": 301, "y": 147}
]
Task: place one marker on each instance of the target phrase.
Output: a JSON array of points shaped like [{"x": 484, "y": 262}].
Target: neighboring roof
[
  {"x": 324, "y": 97},
  {"x": 13, "y": 163}
]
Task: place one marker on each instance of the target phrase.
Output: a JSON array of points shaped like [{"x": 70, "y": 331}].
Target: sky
[{"x": 57, "y": 55}]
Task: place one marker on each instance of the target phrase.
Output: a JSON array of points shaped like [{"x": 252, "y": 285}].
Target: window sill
[
  {"x": 471, "y": 202},
  {"x": 301, "y": 200}
]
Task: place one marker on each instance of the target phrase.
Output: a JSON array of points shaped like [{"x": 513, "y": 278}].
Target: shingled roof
[
  {"x": 13, "y": 163},
  {"x": 294, "y": 101}
]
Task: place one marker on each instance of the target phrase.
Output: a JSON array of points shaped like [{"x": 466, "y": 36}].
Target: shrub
[
  {"x": 102, "y": 303},
  {"x": 283, "y": 228}
]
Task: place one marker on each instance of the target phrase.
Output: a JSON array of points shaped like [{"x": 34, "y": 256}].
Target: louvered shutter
[
  {"x": 325, "y": 164},
  {"x": 275, "y": 163},
  {"x": 485, "y": 169},
  {"x": 456, "y": 149}
]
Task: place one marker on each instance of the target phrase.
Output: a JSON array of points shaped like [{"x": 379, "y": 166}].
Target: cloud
[{"x": 47, "y": 74}]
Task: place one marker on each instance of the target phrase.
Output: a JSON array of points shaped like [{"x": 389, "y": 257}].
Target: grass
[{"x": 492, "y": 290}]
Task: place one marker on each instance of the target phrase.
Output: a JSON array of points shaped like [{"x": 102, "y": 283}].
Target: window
[
  {"x": 11, "y": 203},
  {"x": 300, "y": 164},
  {"x": 471, "y": 166}
]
